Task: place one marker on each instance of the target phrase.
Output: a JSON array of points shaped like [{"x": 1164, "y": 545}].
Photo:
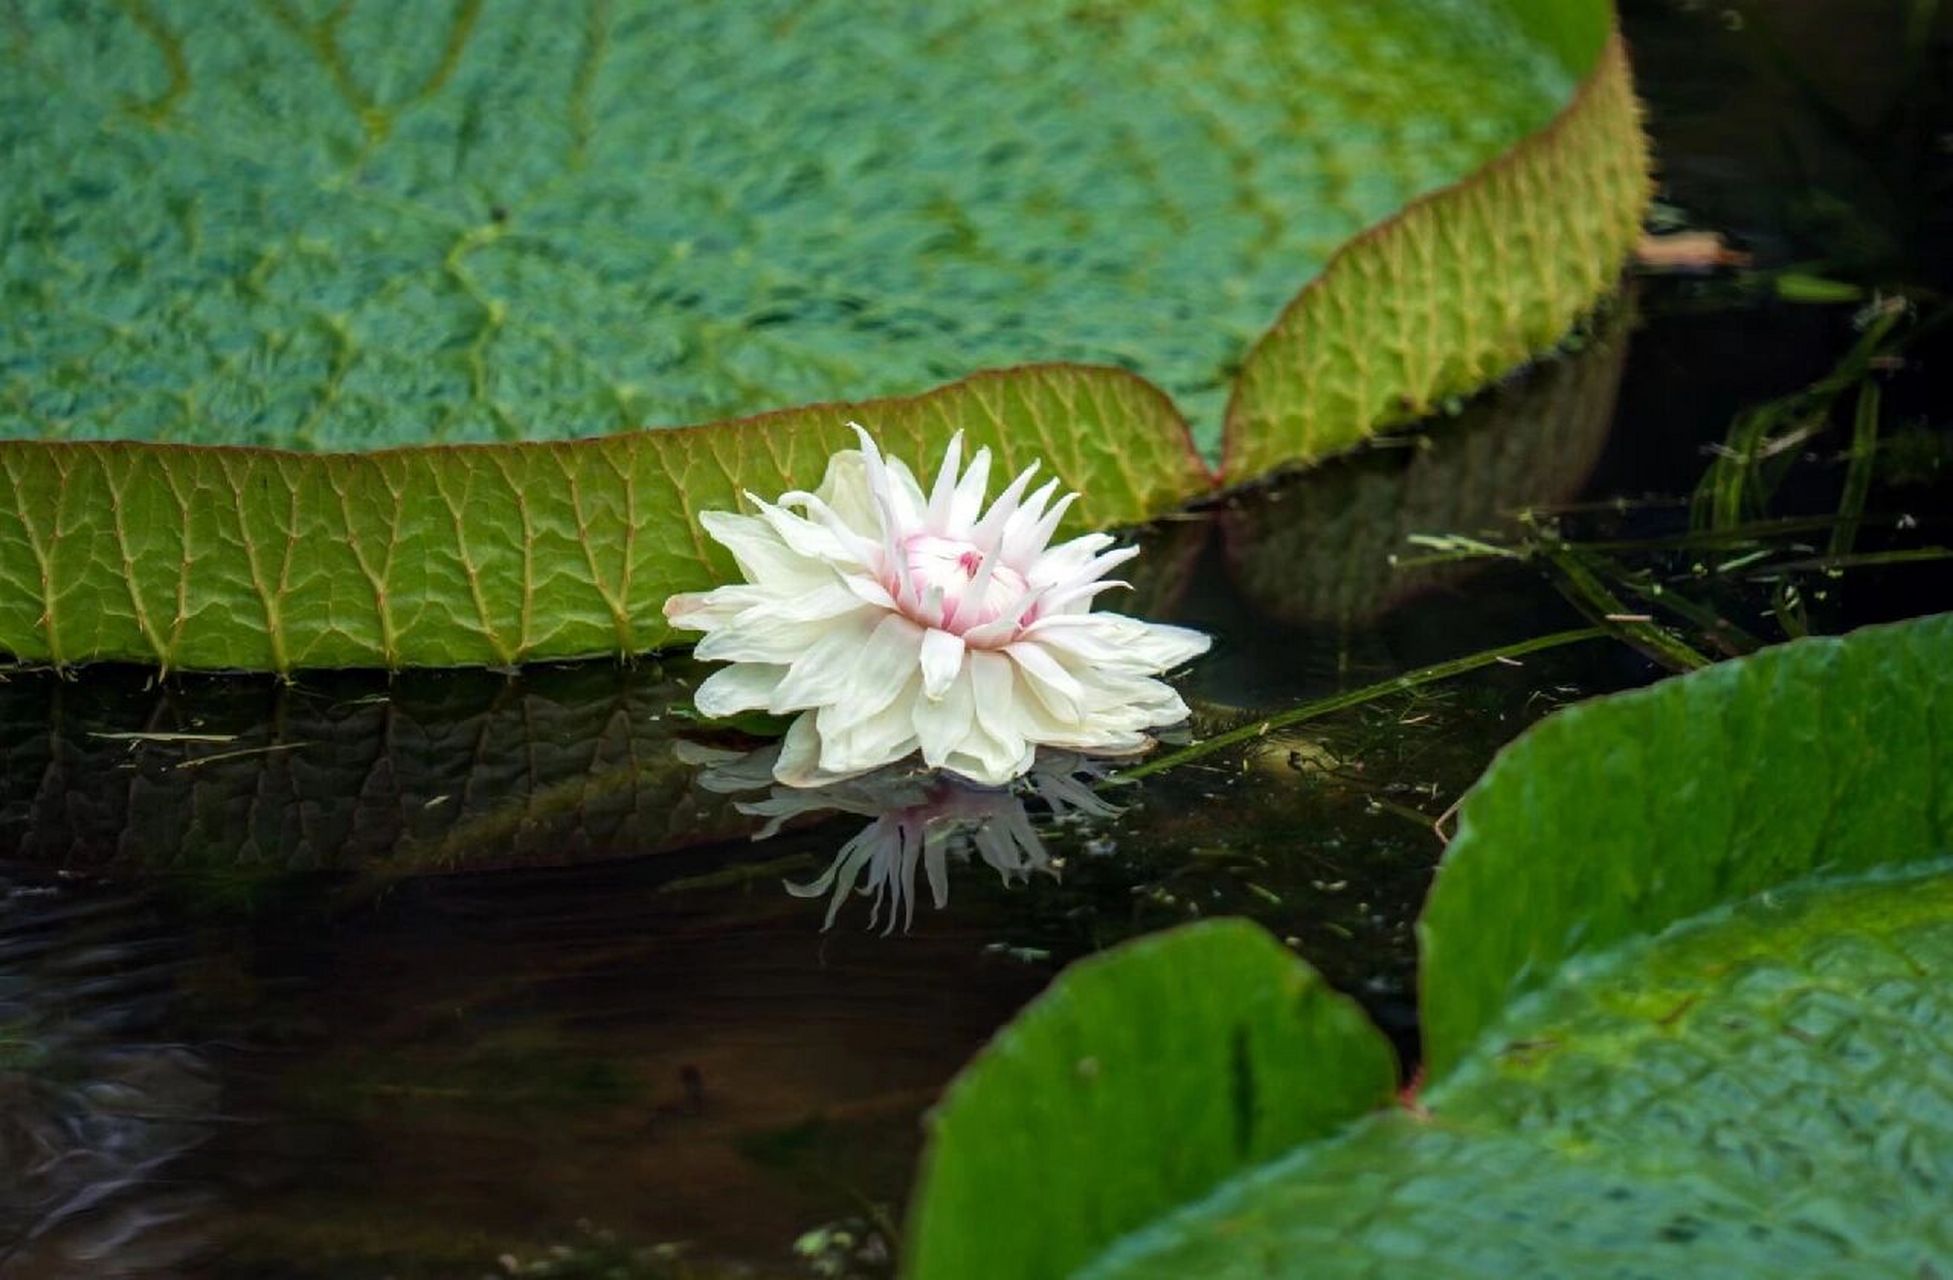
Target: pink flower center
[{"x": 952, "y": 567}]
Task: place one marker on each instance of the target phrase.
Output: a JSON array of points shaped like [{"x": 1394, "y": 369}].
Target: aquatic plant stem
[
  {"x": 1581, "y": 584},
  {"x": 1858, "y": 474},
  {"x": 1738, "y": 484},
  {"x": 1319, "y": 707}
]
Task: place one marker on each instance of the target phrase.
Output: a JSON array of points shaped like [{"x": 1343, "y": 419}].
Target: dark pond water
[{"x": 465, "y": 974}]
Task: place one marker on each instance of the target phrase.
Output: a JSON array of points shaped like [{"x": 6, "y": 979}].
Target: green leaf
[
  {"x": 1672, "y": 1034},
  {"x": 1143, "y": 1078},
  {"x": 360, "y": 227},
  {"x": 1329, "y": 546},
  {"x": 1619, "y": 817},
  {"x": 204, "y": 557},
  {"x": 1760, "y": 1094},
  {"x": 1460, "y": 287}
]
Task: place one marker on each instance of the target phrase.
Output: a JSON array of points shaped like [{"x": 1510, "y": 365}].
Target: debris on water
[
  {"x": 214, "y": 757},
  {"x": 1023, "y": 955},
  {"x": 1687, "y": 252},
  {"x": 133, "y": 737}
]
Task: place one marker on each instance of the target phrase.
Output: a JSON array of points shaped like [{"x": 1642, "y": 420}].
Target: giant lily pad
[
  {"x": 431, "y": 267},
  {"x": 1325, "y": 546},
  {"x": 1671, "y": 1032}
]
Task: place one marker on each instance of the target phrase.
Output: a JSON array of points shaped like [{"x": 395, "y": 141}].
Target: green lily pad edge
[
  {"x": 216, "y": 557},
  {"x": 1684, "y": 1007}
]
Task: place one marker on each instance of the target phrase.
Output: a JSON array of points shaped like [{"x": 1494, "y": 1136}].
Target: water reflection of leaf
[
  {"x": 1318, "y": 547},
  {"x": 431, "y": 772},
  {"x": 920, "y": 820},
  {"x": 231, "y": 779}
]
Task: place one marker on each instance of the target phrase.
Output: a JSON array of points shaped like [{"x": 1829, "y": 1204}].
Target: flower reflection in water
[{"x": 921, "y": 819}]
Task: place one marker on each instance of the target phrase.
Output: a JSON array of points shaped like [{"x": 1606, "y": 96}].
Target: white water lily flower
[{"x": 894, "y": 622}]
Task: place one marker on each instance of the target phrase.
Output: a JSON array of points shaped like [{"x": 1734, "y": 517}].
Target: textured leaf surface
[
  {"x": 347, "y": 227},
  {"x": 1621, "y": 816},
  {"x": 1324, "y": 547},
  {"x": 1638, "y": 1078},
  {"x": 486, "y": 219},
  {"x": 491, "y": 554},
  {"x": 1141, "y": 1079},
  {"x": 1457, "y": 290},
  {"x": 1758, "y": 1096}
]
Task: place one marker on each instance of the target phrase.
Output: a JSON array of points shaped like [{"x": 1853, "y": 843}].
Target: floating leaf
[
  {"x": 1141, "y": 1080},
  {"x": 1758, "y": 1094},
  {"x": 448, "y": 251},
  {"x": 1323, "y": 547},
  {"x": 1618, "y": 817},
  {"x": 1461, "y": 286},
  {"x": 1668, "y": 1038},
  {"x": 426, "y": 771}
]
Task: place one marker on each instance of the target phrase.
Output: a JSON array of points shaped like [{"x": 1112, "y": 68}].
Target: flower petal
[
  {"x": 890, "y": 659},
  {"x": 710, "y": 610},
  {"x": 830, "y": 599},
  {"x": 800, "y": 751},
  {"x": 891, "y": 483},
  {"x": 942, "y": 725},
  {"x": 1059, "y": 690},
  {"x": 817, "y": 545},
  {"x": 1063, "y": 561},
  {"x": 760, "y": 636},
  {"x": 989, "y": 530},
  {"x": 763, "y": 555},
  {"x": 1118, "y": 641},
  {"x": 845, "y": 493},
  {"x": 1024, "y": 542},
  {"x": 868, "y": 742},
  {"x": 820, "y": 674},
  {"x": 966, "y": 502},
  {"x": 942, "y": 659},
  {"x": 743, "y": 686},
  {"x": 995, "y": 751}
]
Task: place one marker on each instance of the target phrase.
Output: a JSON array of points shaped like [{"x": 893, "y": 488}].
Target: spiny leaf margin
[
  {"x": 211, "y": 557},
  {"x": 1460, "y": 288},
  {"x": 501, "y": 554}
]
